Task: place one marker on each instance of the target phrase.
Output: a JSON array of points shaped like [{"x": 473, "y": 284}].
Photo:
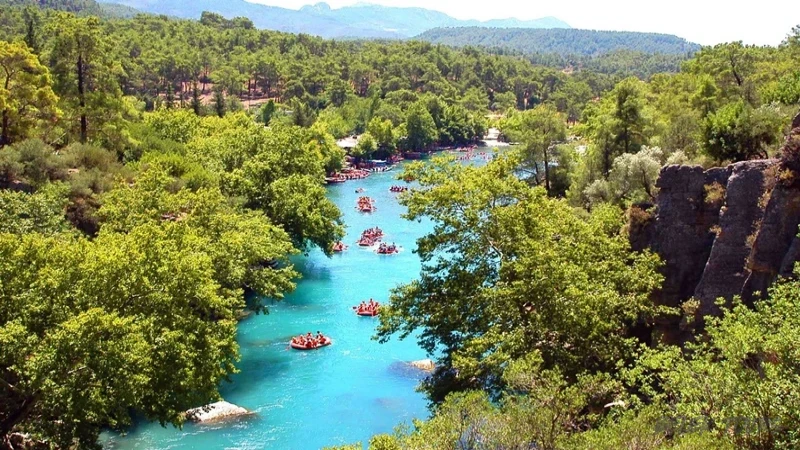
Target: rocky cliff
[{"x": 722, "y": 233}]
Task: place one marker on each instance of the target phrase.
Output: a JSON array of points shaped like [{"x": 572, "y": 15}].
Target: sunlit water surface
[{"x": 344, "y": 393}]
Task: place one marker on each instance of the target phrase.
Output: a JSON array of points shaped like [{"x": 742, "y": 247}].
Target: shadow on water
[{"x": 311, "y": 270}]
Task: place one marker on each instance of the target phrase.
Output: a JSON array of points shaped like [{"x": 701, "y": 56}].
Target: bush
[
  {"x": 715, "y": 194},
  {"x": 90, "y": 157},
  {"x": 40, "y": 163}
]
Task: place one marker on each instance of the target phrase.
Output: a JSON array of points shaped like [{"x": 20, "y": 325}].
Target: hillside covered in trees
[
  {"x": 561, "y": 41},
  {"x": 154, "y": 172},
  {"x": 81, "y": 7},
  {"x": 609, "y": 52}
]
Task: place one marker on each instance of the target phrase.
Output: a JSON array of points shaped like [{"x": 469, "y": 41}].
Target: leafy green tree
[
  {"x": 93, "y": 330},
  {"x": 220, "y": 102},
  {"x": 571, "y": 98},
  {"x": 421, "y": 129},
  {"x": 737, "y": 132},
  {"x": 41, "y": 212},
  {"x": 243, "y": 245},
  {"x": 733, "y": 67},
  {"x": 85, "y": 77},
  {"x": 475, "y": 100},
  {"x": 538, "y": 130},
  {"x": 503, "y": 101},
  {"x": 267, "y": 111},
  {"x": 196, "y": 103},
  {"x": 302, "y": 114},
  {"x": 26, "y": 95},
  {"x": 278, "y": 170},
  {"x": 786, "y": 90},
  {"x": 382, "y": 132},
  {"x": 366, "y": 147},
  {"x": 32, "y": 23},
  {"x": 632, "y": 179},
  {"x": 300, "y": 205},
  {"x": 629, "y": 124},
  {"x": 522, "y": 274},
  {"x": 619, "y": 123}
]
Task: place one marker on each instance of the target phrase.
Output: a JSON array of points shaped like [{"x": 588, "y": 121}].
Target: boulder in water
[
  {"x": 215, "y": 412},
  {"x": 423, "y": 364}
]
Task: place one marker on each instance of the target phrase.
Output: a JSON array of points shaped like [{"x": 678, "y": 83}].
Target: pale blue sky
[{"x": 763, "y": 22}]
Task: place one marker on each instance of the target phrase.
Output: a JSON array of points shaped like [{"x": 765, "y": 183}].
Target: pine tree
[
  {"x": 170, "y": 101},
  {"x": 196, "y": 105},
  {"x": 219, "y": 102}
]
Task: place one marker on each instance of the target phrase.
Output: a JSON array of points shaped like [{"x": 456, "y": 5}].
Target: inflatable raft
[{"x": 325, "y": 342}]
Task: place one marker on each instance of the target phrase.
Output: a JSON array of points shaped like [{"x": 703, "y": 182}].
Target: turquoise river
[{"x": 340, "y": 394}]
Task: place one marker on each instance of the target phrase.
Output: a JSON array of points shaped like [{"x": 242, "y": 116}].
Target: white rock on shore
[
  {"x": 215, "y": 411},
  {"x": 424, "y": 364}
]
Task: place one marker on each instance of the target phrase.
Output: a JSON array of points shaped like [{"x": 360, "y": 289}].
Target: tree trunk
[
  {"x": 81, "y": 98},
  {"x": 5, "y": 139},
  {"x": 20, "y": 414},
  {"x": 546, "y": 172}
]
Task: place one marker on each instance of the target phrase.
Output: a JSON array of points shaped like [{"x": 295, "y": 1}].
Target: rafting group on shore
[
  {"x": 309, "y": 341},
  {"x": 366, "y": 204},
  {"x": 347, "y": 175},
  {"x": 469, "y": 156}
]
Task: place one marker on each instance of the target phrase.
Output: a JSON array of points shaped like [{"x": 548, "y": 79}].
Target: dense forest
[
  {"x": 561, "y": 41},
  {"x": 81, "y": 7},
  {"x": 609, "y": 52},
  {"x": 154, "y": 171}
]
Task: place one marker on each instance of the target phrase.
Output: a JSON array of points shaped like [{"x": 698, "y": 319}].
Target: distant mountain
[
  {"x": 410, "y": 22},
  {"x": 361, "y": 21},
  {"x": 560, "y": 41},
  {"x": 117, "y": 10}
]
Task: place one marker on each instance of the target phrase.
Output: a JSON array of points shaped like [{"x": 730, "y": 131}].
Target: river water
[{"x": 340, "y": 394}]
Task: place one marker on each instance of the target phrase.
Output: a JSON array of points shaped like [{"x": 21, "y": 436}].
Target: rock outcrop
[
  {"x": 776, "y": 245},
  {"x": 723, "y": 233},
  {"x": 424, "y": 364},
  {"x": 726, "y": 272},
  {"x": 215, "y": 412},
  {"x": 683, "y": 234}
]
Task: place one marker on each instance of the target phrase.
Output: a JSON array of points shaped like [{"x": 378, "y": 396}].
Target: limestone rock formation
[
  {"x": 769, "y": 257},
  {"x": 215, "y": 412},
  {"x": 683, "y": 234},
  {"x": 726, "y": 271},
  {"x": 722, "y": 233}
]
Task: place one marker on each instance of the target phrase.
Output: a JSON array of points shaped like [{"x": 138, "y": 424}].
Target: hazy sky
[{"x": 703, "y": 21}]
